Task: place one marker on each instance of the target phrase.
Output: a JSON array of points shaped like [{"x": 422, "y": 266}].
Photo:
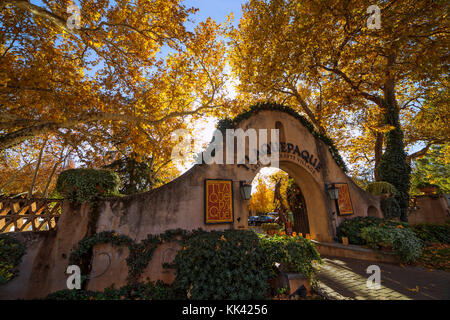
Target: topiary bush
[
  {"x": 351, "y": 228},
  {"x": 11, "y": 252},
  {"x": 295, "y": 254},
  {"x": 267, "y": 227},
  {"x": 433, "y": 232},
  {"x": 227, "y": 264},
  {"x": 86, "y": 185},
  {"x": 403, "y": 242},
  {"x": 381, "y": 187}
]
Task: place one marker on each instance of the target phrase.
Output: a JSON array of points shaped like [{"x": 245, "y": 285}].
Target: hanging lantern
[
  {"x": 246, "y": 190},
  {"x": 333, "y": 192}
]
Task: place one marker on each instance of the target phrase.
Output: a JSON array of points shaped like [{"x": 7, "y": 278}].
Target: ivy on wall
[
  {"x": 140, "y": 254},
  {"x": 230, "y": 264},
  {"x": 228, "y": 123},
  {"x": 393, "y": 167},
  {"x": 11, "y": 252}
]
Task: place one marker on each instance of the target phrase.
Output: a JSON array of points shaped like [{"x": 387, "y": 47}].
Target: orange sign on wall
[
  {"x": 344, "y": 201},
  {"x": 218, "y": 201}
]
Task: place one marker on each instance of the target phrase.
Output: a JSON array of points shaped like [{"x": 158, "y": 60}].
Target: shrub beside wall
[
  {"x": 403, "y": 242},
  {"x": 11, "y": 252},
  {"x": 86, "y": 185},
  {"x": 381, "y": 233},
  {"x": 433, "y": 232},
  {"x": 295, "y": 254},
  {"x": 227, "y": 264}
]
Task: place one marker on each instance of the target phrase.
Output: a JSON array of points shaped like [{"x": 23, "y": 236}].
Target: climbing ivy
[
  {"x": 393, "y": 167},
  {"x": 228, "y": 123},
  {"x": 140, "y": 254},
  {"x": 11, "y": 252}
]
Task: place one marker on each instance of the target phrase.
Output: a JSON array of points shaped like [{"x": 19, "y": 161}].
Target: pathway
[{"x": 343, "y": 278}]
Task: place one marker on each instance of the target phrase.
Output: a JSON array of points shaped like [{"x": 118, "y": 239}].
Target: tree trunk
[
  {"x": 394, "y": 167},
  {"x": 378, "y": 153},
  {"x": 36, "y": 171}
]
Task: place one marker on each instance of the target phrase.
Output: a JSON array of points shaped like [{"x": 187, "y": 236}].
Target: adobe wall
[
  {"x": 430, "y": 209},
  {"x": 180, "y": 204}
]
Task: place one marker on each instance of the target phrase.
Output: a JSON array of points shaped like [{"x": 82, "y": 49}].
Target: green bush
[
  {"x": 403, "y": 242},
  {"x": 227, "y": 264},
  {"x": 295, "y": 254},
  {"x": 433, "y": 232},
  {"x": 142, "y": 291},
  {"x": 381, "y": 187},
  {"x": 351, "y": 228},
  {"x": 270, "y": 226},
  {"x": 86, "y": 185},
  {"x": 390, "y": 208},
  {"x": 11, "y": 252}
]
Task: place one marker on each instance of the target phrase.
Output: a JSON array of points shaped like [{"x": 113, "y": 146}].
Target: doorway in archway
[{"x": 276, "y": 194}]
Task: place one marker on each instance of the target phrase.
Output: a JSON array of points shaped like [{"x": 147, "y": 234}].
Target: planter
[
  {"x": 345, "y": 241},
  {"x": 294, "y": 283}
]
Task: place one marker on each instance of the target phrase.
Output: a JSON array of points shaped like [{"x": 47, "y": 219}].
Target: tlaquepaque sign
[{"x": 218, "y": 201}]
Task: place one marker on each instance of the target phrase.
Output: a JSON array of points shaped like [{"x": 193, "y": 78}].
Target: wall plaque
[
  {"x": 218, "y": 201},
  {"x": 344, "y": 201}
]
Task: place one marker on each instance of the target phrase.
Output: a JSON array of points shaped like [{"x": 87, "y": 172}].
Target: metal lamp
[
  {"x": 333, "y": 191},
  {"x": 246, "y": 190}
]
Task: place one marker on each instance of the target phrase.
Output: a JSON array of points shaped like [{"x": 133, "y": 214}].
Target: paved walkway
[{"x": 342, "y": 278}]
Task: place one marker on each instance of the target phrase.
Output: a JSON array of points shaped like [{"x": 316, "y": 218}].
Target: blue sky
[{"x": 216, "y": 9}]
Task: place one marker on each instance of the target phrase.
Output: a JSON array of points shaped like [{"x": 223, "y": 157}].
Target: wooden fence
[{"x": 18, "y": 215}]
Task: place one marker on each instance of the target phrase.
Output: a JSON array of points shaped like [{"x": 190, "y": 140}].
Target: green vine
[
  {"x": 140, "y": 254},
  {"x": 228, "y": 123},
  {"x": 11, "y": 252},
  {"x": 394, "y": 167}
]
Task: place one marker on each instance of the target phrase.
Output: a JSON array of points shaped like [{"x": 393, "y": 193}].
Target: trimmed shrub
[
  {"x": 433, "y": 232},
  {"x": 11, "y": 252},
  {"x": 295, "y": 254},
  {"x": 86, "y": 185},
  {"x": 227, "y": 264},
  {"x": 351, "y": 228},
  {"x": 403, "y": 242},
  {"x": 380, "y": 188},
  {"x": 270, "y": 226}
]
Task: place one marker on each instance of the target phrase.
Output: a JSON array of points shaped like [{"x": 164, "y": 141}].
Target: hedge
[{"x": 86, "y": 185}]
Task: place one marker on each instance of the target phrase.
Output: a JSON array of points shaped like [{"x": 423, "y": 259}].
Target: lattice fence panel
[{"x": 29, "y": 214}]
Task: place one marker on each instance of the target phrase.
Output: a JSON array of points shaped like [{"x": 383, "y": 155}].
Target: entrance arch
[
  {"x": 310, "y": 161},
  {"x": 304, "y": 155}
]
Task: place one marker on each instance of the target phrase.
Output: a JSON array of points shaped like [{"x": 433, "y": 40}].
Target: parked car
[{"x": 258, "y": 220}]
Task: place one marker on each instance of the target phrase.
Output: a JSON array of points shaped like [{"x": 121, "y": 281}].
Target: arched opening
[
  {"x": 277, "y": 198},
  {"x": 372, "y": 212}
]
